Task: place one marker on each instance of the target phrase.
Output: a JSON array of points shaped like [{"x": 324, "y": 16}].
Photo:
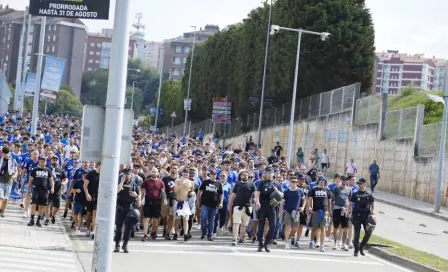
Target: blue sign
[
  {"x": 153, "y": 110},
  {"x": 51, "y": 80},
  {"x": 30, "y": 84}
]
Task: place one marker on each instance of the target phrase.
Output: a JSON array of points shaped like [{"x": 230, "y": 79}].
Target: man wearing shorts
[
  {"x": 341, "y": 196},
  {"x": 54, "y": 199},
  {"x": 293, "y": 204},
  {"x": 168, "y": 209},
  {"x": 183, "y": 187},
  {"x": 8, "y": 172},
  {"x": 91, "y": 185},
  {"x": 319, "y": 202},
  {"x": 39, "y": 178},
  {"x": 79, "y": 200}
]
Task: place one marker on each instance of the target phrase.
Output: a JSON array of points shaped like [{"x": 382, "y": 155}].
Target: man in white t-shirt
[
  {"x": 69, "y": 148},
  {"x": 325, "y": 161},
  {"x": 351, "y": 168}
]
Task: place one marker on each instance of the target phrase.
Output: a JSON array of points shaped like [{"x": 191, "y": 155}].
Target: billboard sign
[
  {"x": 81, "y": 9},
  {"x": 51, "y": 80}
]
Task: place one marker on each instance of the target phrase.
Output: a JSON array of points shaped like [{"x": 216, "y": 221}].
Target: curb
[
  {"x": 397, "y": 205},
  {"x": 406, "y": 263}
]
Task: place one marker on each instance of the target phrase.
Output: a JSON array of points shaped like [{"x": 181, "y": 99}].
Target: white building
[{"x": 149, "y": 52}]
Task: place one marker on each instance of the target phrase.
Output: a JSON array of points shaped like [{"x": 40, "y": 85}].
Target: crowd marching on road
[{"x": 177, "y": 181}]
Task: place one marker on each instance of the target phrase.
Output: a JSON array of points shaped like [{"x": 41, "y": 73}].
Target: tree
[
  {"x": 231, "y": 62},
  {"x": 66, "y": 103},
  {"x": 171, "y": 101}
]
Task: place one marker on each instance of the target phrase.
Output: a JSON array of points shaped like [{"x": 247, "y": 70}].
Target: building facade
[
  {"x": 64, "y": 38},
  {"x": 177, "y": 50},
  {"x": 149, "y": 52},
  {"x": 395, "y": 71},
  {"x": 98, "y": 48}
]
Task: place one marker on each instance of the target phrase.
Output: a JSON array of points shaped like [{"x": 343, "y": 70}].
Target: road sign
[
  {"x": 189, "y": 104},
  {"x": 86, "y": 9},
  {"x": 222, "y": 110},
  {"x": 173, "y": 115},
  {"x": 93, "y": 131}
]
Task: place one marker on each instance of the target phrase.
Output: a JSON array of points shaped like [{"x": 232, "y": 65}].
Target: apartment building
[
  {"x": 149, "y": 52},
  {"x": 177, "y": 50},
  {"x": 98, "y": 48},
  {"x": 64, "y": 38},
  {"x": 394, "y": 71}
]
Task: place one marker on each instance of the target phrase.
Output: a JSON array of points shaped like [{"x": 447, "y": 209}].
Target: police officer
[
  {"x": 361, "y": 207},
  {"x": 267, "y": 198},
  {"x": 128, "y": 201}
]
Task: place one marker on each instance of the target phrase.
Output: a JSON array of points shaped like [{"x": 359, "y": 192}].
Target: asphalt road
[{"x": 200, "y": 256}]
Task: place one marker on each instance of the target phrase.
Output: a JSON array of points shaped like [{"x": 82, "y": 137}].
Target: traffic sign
[
  {"x": 222, "y": 104},
  {"x": 173, "y": 115},
  {"x": 86, "y": 9},
  {"x": 221, "y": 112}
]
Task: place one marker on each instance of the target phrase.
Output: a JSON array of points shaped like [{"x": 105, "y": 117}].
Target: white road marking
[
  {"x": 27, "y": 268},
  {"x": 4, "y": 259},
  {"x": 257, "y": 255},
  {"x": 42, "y": 252},
  {"x": 388, "y": 263}
]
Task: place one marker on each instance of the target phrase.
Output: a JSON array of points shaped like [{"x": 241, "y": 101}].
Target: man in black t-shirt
[
  {"x": 240, "y": 203},
  {"x": 91, "y": 186},
  {"x": 60, "y": 179},
  {"x": 319, "y": 202},
  {"x": 211, "y": 199},
  {"x": 39, "y": 179},
  {"x": 167, "y": 210}
]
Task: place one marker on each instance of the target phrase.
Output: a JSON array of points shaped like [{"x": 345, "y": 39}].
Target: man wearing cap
[
  {"x": 319, "y": 202},
  {"x": 266, "y": 211},
  {"x": 303, "y": 215},
  {"x": 363, "y": 207},
  {"x": 341, "y": 196}
]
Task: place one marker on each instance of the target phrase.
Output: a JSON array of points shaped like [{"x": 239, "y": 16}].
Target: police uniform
[
  {"x": 266, "y": 211},
  {"x": 362, "y": 202},
  {"x": 126, "y": 212}
]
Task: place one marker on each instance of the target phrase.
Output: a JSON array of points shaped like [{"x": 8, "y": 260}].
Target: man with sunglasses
[{"x": 265, "y": 211}]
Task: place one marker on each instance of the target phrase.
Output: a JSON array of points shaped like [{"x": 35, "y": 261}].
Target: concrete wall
[{"x": 401, "y": 172}]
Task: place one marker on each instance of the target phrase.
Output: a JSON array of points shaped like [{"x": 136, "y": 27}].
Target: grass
[{"x": 415, "y": 255}]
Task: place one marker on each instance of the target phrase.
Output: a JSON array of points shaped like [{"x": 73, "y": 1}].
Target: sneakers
[
  {"x": 47, "y": 222},
  {"x": 92, "y": 234},
  {"x": 38, "y": 223},
  {"x": 65, "y": 214},
  {"x": 350, "y": 246},
  {"x": 297, "y": 245},
  {"x": 78, "y": 232},
  {"x": 145, "y": 237},
  {"x": 88, "y": 233},
  {"x": 287, "y": 246},
  {"x": 198, "y": 227},
  {"x": 274, "y": 242},
  {"x": 344, "y": 247},
  {"x": 311, "y": 245},
  {"x": 322, "y": 248},
  {"x": 31, "y": 223},
  {"x": 335, "y": 246},
  {"x": 361, "y": 251},
  {"x": 25, "y": 214},
  {"x": 53, "y": 220},
  {"x": 210, "y": 238},
  {"x": 153, "y": 235},
  {"x": 175, "y": 237},
  {"x": 2, "y": 213},
  {"x": 186, "y": 237},
  {"x": 234, "y": 243}
]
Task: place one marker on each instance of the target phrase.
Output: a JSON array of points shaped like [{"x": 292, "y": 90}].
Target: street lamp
[
  {"x": 444, "y": 101},
  {"x": 133, "y": 88},
  {"x": 160, "y": 86},
  {"x": 324, "y": 35},
  {"x": 189, "y": 81}
]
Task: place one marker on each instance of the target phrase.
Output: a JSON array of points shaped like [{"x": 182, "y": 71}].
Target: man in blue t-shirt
[
  {"x": 374, "y": 171},
  {"x": 293, "y": 204}
]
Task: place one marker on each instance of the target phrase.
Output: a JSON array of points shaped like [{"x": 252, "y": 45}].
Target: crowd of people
[{"x": 174, "y": 182}]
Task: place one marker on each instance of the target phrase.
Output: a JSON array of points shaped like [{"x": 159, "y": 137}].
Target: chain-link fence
[
  {"x": 430, "y": 143},
  {"x": 332, "y": 102},
  {"x": 401, "y": 123}
]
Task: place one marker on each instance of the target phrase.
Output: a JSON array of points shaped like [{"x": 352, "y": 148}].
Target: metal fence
[
  {"x": 401, "y": 123},
  {"x": 335, "y": 101},
  {"x": 368, "y": 110},
  {"x": 430, "y": 144}
]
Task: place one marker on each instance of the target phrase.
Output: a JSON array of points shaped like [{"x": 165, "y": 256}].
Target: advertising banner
[
  {"x": 81, "y": 9},
  {"x": 30, "y": 84},
  {"x": 51, "y": 80}
]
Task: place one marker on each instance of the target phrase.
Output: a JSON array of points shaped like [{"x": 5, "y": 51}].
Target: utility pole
[
  {"x": 25, "y": 63},
  {"x": 189, "y": 81},
  {"x": 38, "y": 75},
  {"x": 113, "y": 127},
  {"x": 160, "y": 87},
  {"x": 17, "y": 93}
]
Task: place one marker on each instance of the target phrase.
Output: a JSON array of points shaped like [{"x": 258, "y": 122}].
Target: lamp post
[
  {"x": 160, "y": 87},
  {"x": 444, "y": 101},
  {"x": 133, "y": 88},
  {"x": 324, "y": 35},
  {"x": 189, "y": 81},
  {"x": 268, "y": 38}
]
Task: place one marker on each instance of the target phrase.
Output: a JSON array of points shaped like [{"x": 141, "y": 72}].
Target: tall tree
[{"x": 231, "y": 63}]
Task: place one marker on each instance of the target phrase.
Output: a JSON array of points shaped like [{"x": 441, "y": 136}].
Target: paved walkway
[
  {"x": 24, "y": 248},
  {"x": 411, "y": 205}
]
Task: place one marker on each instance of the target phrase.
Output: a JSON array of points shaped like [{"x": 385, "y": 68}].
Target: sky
[{"x": 410, "y": 26}]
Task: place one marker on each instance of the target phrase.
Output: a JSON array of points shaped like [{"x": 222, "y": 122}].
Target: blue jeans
[
  {"x": 207, "y": 215},
  {"x": 222, "y": 214}
]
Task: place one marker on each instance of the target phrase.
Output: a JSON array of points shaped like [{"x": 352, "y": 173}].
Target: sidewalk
[
  {"x": 411, "y": 205},
  {"x": 24, "y": 248}
]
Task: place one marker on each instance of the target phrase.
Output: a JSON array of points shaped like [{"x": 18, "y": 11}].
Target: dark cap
[
  {"x": 323, "y": 179},
  {"x": 301, "y": 176},
  {"x": 269, "y": 169},
  {"x": 212, "y": 171},
  {"x": 54, "y": 157},
  {"x": 349, "y": 176},
  {"x": 361, "y": 181}
]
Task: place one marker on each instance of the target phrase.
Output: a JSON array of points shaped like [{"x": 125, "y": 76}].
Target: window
[
  {"x": 90, "y": 61},
  {"x": 92, "y": 44},
  {"x": 186, "y": 49},
  {"x": 55, "y": 27},
  {"x": 98, "y": 53},
  {"x": 91, "y": 52},
  {"x": 89, "y": 69},
  {"x": 48, "y": 48},
  {"x": 176, "y": 72},
  {"x": 178, "y": 49},
  {"x": 97, "y": 61},
  {"x": 9, "y": 37},
  {"x": 176, "y": 60},
  {"x": 52, "y": 49},
  {"x": 49, "y": 38},
  {"x": 54, "y": 38},
  {"x": 98, "y": 44},
  {"x": 6, "y": 58},
  {"x": 185, "y": 60}
]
